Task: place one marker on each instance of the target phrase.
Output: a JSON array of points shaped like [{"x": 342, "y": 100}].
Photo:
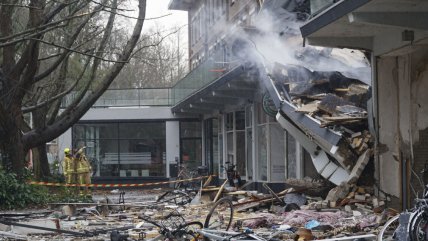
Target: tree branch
[
  {"x": 37, "y": 136},
  {"x": 60, "y": 95}
]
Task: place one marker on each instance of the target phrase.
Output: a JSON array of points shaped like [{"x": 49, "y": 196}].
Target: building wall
[{"x": 403, "y": 115}]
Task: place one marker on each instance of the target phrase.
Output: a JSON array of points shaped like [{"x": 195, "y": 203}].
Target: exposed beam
[
  {"x": 412, "y": 20},
  {"x": 222, "y": 100},
  {"x": 206, "y": 105},
  {"x": 242, "y": 85},
  {"x": 194, "y": 111},
  {"x": 233, "y": 93},
  {"x": 365, "y": 43}
]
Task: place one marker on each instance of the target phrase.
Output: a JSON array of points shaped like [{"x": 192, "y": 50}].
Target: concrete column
[{"x": 172, "y": 143}]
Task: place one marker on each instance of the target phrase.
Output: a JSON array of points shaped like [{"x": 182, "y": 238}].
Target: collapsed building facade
[
  {"x": 274, "y": 120},
  {"x": 394, "y": 32}
]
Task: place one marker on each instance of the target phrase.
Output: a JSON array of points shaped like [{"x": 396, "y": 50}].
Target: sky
[{"x": 157, "y": 8}]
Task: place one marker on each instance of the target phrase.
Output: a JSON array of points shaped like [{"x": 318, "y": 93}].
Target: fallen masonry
[{"x": 346, "y": 212}]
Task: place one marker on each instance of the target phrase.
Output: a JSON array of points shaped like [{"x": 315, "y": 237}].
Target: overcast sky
[{"x": 157, "y": 8}]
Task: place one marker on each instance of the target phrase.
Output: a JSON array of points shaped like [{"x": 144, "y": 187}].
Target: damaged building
[
  {"x": 394, "y": 32},
  {"x": 275, "y": 121},
  {"x": 262, "y": 97}
]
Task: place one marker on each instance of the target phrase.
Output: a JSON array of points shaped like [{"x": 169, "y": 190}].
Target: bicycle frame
[{"x": 227, "y": 235}]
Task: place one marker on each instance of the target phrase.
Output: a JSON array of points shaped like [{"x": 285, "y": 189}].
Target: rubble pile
[
  {"x": 347, "y": 210},
  {"x": 330, "y": 97}
]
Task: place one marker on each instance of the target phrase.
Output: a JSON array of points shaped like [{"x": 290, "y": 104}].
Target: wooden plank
[
  {"x": 308, "y": 108},
  {"x": 220, "y": 191}
]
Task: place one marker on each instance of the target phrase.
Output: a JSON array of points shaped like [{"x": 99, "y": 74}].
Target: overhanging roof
[
  {"x": 230, "y": 89},
  {"x": 331, "y": 14},
  {"x": 183, "y": 5},
  {"x": 375, "y": 25}
]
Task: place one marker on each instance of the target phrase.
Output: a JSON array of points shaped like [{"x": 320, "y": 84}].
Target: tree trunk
[
  {"x": 40, "y": 157},
  {"x": 41, "y": 163},
  {"x": 13, "y": 148}
]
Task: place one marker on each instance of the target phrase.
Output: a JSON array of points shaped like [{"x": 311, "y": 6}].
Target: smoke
[{"x": 275, "y": 37}]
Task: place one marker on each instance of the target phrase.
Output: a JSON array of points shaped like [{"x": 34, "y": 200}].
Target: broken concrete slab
[{"x": 338, "y": 192}]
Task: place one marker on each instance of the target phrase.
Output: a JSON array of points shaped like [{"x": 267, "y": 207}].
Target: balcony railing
[
  {"x": 205, "y": 73},
  {"x": 129, "y": 97}
]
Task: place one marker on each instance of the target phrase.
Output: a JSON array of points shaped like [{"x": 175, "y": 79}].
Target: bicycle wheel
[
  {"x": 419, "y": 226},
  {"x": 176, "y": 197},
  {"x": 188, "y": 231},
  {"x": 220, "y": 216},
  {"x": 387, "y": 231}
]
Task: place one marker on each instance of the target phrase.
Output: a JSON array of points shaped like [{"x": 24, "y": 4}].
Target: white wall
[
  {"x": 144, "y": 113},
  {"x": 172, "y": 143},
  {"x": 64, "y": 141},
  {"x": 403, "y": 111}
]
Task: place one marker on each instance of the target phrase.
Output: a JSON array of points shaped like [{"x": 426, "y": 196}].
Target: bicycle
[
  {"x": 413, "y": 224},
  {"x": 174, "y": 227},
  {"x": 176, "y": 197},
  {"x": 183, "y": 174},
  {"x": 219, "y": 221},
  {"x": 232, "y": 175}
]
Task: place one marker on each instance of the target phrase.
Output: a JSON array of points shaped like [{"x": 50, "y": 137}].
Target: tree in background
[
  {"x": 48, "y": 49},
  {"x": 160, "y": 61}
]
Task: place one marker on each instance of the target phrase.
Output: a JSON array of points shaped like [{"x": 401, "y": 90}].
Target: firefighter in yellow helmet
[
  {"x": 69, "y": 167},
  {"x": 83, "y": 170}
]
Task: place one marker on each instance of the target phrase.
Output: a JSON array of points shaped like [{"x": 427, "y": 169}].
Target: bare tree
[
  {"x": 159, "y": 61},
  {"x": 47, "y": 49}
]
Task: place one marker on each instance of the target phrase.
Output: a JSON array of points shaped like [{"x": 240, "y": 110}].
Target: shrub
[{"x": 17, "y": 193}]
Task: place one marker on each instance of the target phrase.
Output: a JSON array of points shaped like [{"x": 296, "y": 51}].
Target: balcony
[{"x": 128, "y": 98}]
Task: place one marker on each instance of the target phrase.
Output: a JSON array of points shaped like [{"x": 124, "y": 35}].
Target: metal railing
[
  {"x": 128, "y": 97},
  {"x": 202, "y": 75}
]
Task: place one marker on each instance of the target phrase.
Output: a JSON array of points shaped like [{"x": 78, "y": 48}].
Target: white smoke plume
[{"x": 278, "y": 39}]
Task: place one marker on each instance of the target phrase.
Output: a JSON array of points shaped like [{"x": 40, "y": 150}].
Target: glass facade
[
  {"x": 277, "y": 152},
  {"x": 123, "y": 149},
  {"x": 191, "y": 144}
]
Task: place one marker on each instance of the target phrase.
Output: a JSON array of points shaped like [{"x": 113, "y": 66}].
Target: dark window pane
[
  {"x": 142, "y": 130},
  {"x": 142, "y": 157},
  {"x": 262, "y": 153},
  {"x": 191, "y": 153},
  {"x": 78, "y": 132},
  {"x": 240, "y": 120},
  {"x": 240, "y": 152},
  {"x": 229, "y": 121},
  {"x": 190, "y": 129}
]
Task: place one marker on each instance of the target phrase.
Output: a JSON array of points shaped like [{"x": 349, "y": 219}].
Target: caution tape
[{"x": 57, "y": 184}]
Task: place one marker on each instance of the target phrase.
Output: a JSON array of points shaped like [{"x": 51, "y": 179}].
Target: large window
[
  {"x": 191, "y": 144},
  {"x": 235, "y": 140},
  {"x": 271, "y": 152},
  {"x": 211, "y": 145},
  {"x": 249, "y": 141},
  {"x": 123, "y": 149}
]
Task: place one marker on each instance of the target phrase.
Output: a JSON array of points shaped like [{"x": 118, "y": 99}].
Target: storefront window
[
  {"x": 277, "y": 153},
  {"x": 249, "y": 141},
  {"x": 123, "y": 149},
  {"x": 262, "y": 153},
  {"x": 291, "y": 157},
  {"x": 191, "y": 144}
]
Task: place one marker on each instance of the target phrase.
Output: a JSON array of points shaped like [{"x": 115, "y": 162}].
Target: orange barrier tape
[{"x": 56, "y": 184}]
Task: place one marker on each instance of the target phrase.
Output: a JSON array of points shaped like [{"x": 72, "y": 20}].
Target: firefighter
[
  {"x": 83, "y": 170},
  {"x": 69, "y": 167}
]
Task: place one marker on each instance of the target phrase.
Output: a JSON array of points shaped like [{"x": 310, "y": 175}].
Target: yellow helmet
[{"x": 67, "y": 151}]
